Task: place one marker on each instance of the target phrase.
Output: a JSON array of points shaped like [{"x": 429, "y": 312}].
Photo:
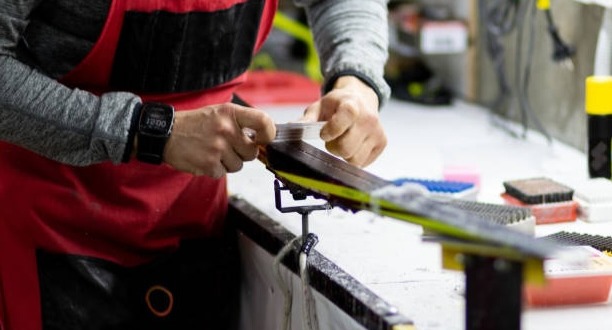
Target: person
[{"x": 117, "y": 132}]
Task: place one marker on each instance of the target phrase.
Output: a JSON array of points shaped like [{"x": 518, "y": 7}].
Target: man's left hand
[{"x": 353, "y": 130}]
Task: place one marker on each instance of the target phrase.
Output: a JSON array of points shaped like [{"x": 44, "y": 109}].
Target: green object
[
  {"x": 297, "y": 30},
  {"x": 415, "y": 89}
]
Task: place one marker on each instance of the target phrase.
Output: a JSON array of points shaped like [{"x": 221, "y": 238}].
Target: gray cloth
[
  {"x": 351, "y": 36},
  {"x": 78, "y": 128},
  {"x": 36, "y": 112}
]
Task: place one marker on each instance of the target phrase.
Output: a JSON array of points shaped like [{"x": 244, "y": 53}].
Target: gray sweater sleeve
[
  {"x": 78, "y": 128},
  {"x": 40, "y": 114},
  {"x": 351, "y": 37}
]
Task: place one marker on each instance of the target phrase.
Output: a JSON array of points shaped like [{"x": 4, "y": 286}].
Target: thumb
[
  {"x": 258, "y": 121},
  {"x": 311, "y": 114}
]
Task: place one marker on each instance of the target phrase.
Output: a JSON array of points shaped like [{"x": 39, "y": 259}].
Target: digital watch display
[{"x": 154, "y": 128}]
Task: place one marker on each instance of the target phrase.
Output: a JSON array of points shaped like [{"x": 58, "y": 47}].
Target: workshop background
[
  {"x": 440, "y": 50},
  {"x": 455, "y": 68}
]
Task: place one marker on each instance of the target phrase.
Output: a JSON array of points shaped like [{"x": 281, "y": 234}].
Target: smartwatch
[{"x": 154, "y": 128}]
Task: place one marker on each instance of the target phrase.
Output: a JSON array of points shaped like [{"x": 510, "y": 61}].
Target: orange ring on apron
[{"x": 156, "y": 312}]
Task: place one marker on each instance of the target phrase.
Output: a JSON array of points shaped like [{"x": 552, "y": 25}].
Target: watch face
[{"x": 156, "y": 119}]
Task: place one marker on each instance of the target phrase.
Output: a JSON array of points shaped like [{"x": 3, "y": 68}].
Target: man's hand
[
  {"x": 353, "y": 130},
  {"x": 212, "y": 141}
]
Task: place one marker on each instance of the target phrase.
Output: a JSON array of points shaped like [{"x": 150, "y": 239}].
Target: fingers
[
  {"x": 368, "y": 152},
  {"x": 311, "y": 114},
  {"x": 213, "y": 140},
  {"x": 257, "y": 121},
  {"x": 345, "y": 116},
  {"x": 353, "y": 130},
  {"x": 248, "y": 128},
  {"x": 246, "y": 149},
  {"x": 231, "y": 161},
  {"x": 216, "y": 172},
  {"x": 358, "y": 149},
  {"x": 256, "y": 128},
  {"x": 347, "y": 145}
]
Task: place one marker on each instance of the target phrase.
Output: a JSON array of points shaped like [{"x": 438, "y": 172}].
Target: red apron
[{"x": 125, "y": 213}]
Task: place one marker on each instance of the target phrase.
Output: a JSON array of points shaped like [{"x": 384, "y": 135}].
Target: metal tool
[{"x": 299, "y": 131}]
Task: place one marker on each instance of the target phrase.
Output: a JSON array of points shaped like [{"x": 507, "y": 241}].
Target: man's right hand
[{"x": 212, "y": 141}]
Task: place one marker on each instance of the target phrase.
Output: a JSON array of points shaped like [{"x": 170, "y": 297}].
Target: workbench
[{"x": 387, "y": 256}]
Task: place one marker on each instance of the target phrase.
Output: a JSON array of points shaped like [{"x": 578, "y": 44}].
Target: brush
[
  {"x": 538, "y": 191},
  {"x": 601, "y": 243},
  {"x": 550, "y": 201},
  {"x": 462, "y": 195},
  {"x": 454, "y": 189},
  {"x": 515, "y": 217}
]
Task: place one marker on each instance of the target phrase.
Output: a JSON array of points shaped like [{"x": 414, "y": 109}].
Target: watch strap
[
  {"x": 150, "y": 148},
  {"x": 129, "y": 147}
]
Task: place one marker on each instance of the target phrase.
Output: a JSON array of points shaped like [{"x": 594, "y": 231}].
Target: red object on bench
[{"x": 268, "y": 87}]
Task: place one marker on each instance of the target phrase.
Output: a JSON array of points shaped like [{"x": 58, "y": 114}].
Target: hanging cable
[
  {"x": 562, "y": 52},
  {"x": 309, "y": 315},
  {"x": 499, "y": 18},
  {"x": 518, "y": 70},
  {"x": 522, "y": 85},
  {"x": 286, "y": 289}
]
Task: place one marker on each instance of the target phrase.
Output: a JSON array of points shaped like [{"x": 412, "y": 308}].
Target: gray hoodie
[{"x": 79, "y": 128}]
